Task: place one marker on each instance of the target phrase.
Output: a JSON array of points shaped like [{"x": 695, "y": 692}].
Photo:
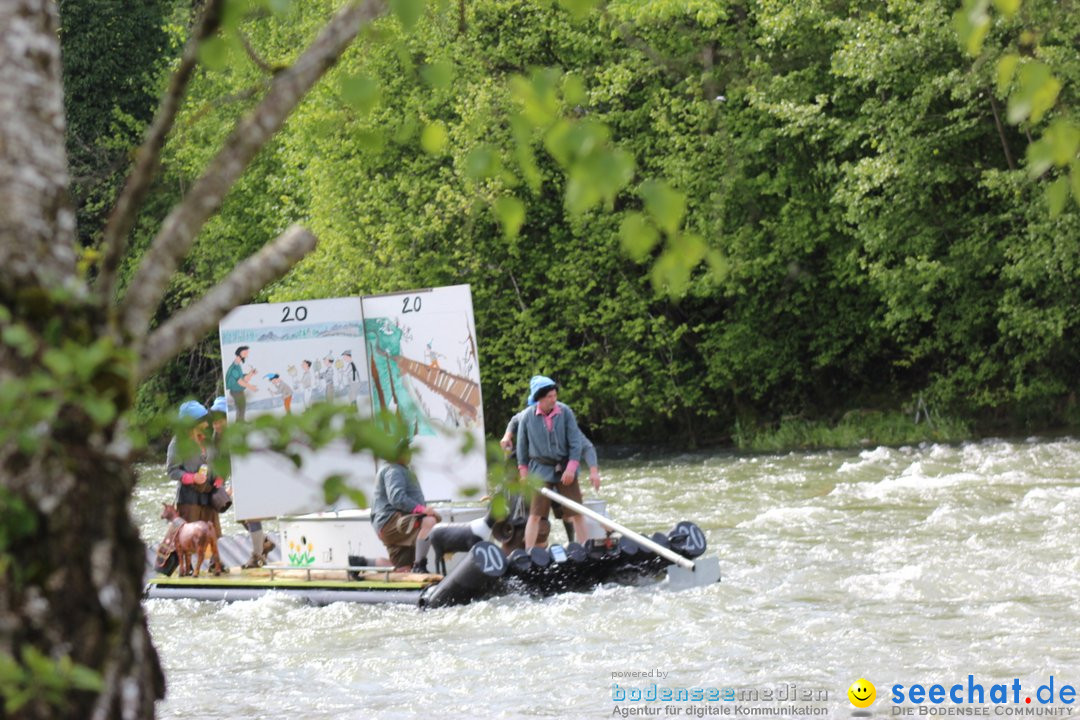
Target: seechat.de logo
[{"x": 862, "y": 693}]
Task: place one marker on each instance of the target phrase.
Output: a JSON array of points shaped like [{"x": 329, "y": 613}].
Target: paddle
[{"x": 684, "y": 573}]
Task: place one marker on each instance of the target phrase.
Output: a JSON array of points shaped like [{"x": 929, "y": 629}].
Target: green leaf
[
  {"x": 1006, "y": 69},
  {"x": 358, "y": 496},
  {"x": 670, "y": 274},
  {"x": 718, "y": 264},
  {"x": 20, "y": 339},
  {"x": 100, "y": 410},
  {"x": 573, "y": 89},
  {"x": 434, "y": 137},
  {"x": 1057, "y": 193},
  {"x": 638, "y": 236},
  {"x": 333, "y": 488},
  {"x": 499, "y": 507},
  {"x": 1040, "y": 157},
  {"x": 666, "y": 205},
  {"x": 482, "y": 162},
  {"x": 214, "y": 53},
  {"x": 1036, "y": 92},
  {"x": 362, "y": 92},
  {"x": 60, "y": 363},
  {"x": 972, "y": 23},
  {"x": 1074, "y": 180},
  {"x": 690, "y": 247},
  {"x": 84, "y": 678},
  {"x": 538, "y": 96},
  {"x": 438, "y": 75},
  {"x": 1007, "y": 8},
  {"x": 511, "y": 214},
  {"x": 408, "y": 12},
  {"x": 1063, "y": 137}
]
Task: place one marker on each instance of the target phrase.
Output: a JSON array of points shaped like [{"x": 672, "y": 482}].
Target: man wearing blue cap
[
  {"x": 549, "y": 446},
  {"x": 195, "y": 483},
  {"x": 588, "y": 455}
]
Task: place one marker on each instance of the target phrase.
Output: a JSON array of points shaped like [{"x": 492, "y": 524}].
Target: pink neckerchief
[{"x": 549, "y": 419}]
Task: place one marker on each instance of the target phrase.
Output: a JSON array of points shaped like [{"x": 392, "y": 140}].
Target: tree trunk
[
  {"x": 73, "y": 636},
  {"x": 71, "y": 560}
]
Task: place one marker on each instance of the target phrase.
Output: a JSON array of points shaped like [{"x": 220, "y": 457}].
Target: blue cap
[
  {"x": 271, "y": 376},
  {"x": 220, "y": 405},
  {"x": 538, "y": 383},
  {"x": 193, "y": 410}
]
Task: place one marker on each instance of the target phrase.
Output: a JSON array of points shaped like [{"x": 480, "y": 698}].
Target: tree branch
[
  {"x": 183, "y": 223},
  {"x": 1001, "y": 132},
  {"x": 148, "y": 156},
  {"x": 254, "y": 56},
  {"x": 194, "y": 321}
]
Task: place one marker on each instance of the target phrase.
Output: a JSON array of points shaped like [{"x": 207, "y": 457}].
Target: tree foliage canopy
[{"x": 816, "y": 206}]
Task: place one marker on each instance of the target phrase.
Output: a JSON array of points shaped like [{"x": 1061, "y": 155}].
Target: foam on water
[{"x": 894, "y": 564}]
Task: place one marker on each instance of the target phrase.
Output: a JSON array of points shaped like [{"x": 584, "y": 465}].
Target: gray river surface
[{"x": 899, "y": 565}]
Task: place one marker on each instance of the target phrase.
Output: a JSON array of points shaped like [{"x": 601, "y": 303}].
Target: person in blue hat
[
  {"x": 516, "y": 504},
  {"x": 549, "y": 447},
  {"x": 195, "y": 482}
]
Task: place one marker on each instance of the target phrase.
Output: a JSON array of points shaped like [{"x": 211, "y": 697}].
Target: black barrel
[
  {"x": 687, "y": 539},
  {"x": 471, "y": 579},
  {"x": 541, "y": 558},
  {"x": 570, "y": 570},
  {"x": 518, "y": 562}
]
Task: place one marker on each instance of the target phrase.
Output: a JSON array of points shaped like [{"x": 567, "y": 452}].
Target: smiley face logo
[{"x": 862, "y": 693}]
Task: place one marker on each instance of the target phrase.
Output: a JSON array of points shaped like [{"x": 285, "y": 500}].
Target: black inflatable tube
[{"x": 474, "y": 577}]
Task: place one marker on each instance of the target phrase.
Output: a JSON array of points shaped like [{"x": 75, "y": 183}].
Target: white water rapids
[{"x": 901, "y": 566}]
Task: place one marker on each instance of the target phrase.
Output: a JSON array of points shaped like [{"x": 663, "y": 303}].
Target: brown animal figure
[{"x": 191, "y": 538}]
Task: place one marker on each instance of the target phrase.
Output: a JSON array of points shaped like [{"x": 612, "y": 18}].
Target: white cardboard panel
[
  {"x": 422, "y": 345},
  {"x": 280, "y": 338}
]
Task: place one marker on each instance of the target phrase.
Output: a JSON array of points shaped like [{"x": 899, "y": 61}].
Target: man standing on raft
[{"x": 549, "y": 446}]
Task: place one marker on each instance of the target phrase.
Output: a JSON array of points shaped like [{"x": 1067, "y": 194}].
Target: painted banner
[
  {"x": 411, "y": 353},
  {"x": 421, "y": 347}
]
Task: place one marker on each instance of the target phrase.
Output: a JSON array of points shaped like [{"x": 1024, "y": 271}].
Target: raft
[{"x": 482, "y": 572}]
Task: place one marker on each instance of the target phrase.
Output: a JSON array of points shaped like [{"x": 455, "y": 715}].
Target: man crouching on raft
[
  {"x": 549, "y": 446},
  {"x": 400, "y": 516}
]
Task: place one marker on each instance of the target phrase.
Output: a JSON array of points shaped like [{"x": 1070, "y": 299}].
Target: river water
[{"x": 898, "y": 565}]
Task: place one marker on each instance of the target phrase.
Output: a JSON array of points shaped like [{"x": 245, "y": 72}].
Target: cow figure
[{"x": 191, "y": 538}]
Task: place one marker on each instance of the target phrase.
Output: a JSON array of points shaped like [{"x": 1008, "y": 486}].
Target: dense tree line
[{"x": 880, "y": 238}]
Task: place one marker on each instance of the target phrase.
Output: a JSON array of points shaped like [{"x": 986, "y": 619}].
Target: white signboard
[
  {"x": 281, "y": 358},
  {"x": 413, "y": 354},
  {"x": 422, "y": 350}
]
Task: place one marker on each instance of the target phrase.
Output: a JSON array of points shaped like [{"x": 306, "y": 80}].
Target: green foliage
[
  {"x": 835, "y": 196},
  {"x": 855, "y": 429},
  {"x": 113, "y": 55},
  {"x": 40, "y": 678}
]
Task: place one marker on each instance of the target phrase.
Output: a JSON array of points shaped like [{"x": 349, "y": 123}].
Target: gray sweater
[
  {"x": 588, "y": 450},
  {"x": 546, "y": 452},
  {"x": 396, "y": 490}
]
